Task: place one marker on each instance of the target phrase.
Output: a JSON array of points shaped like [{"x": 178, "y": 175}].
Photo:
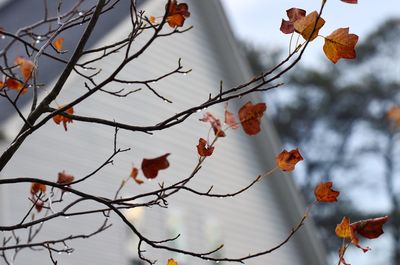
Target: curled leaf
[
  {"x": 340, "y": 44},
  {"x": 177, "y": 13},
  {"x": 60, "y": 118},
  {"x": 150, "y": 167},
  {"x": 58, "y": 44},
  {"x": 293, "y": 14},
  {"x": 350, "y": 1},
  {"x": 25, "y": 66},
  {"x": 324, "y": 193},
  {"x": 39, "y": 205},
  {"x": 64, "y": 178},
  {"x": 215, "y": 124},
  {"x": 305, "y": 25},
  {"x": 203, "y": 149},
  {"x": 286, "y": 161},
  {"x": 370, "y": 228},
  {"x": 134, "y": 175},
  {"x": 37, "y": 187},
  {"x": 250, "y": 117},
  {"x": 152, "y": 19}
]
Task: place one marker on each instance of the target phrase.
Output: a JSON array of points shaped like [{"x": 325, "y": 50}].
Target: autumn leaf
[
  {"x": 350, "y": 1},
  {"x": 340, "y": 44},
  {"x": 370, "y": 228},
  {"x": 305, "y": 26},
  {"x": 286, "y": 161},
  {"x": 250, "y": 117},
  {"x": 230, "y": 118},
  {"x": 58, "y": 44},
  {"x": 177, "y": 13},
  {"x": 64, "y": 178},
  {"x": 343, "y": 229},
  {"x": 25, "y": 66},
  {"x": 394, "y": 115},
  {"x": 14, "y": 84},
  {"x": 293, "y": 14},
  {"x": 60, "y": 118},
  {"x": 150, "y": 167},
  {"x": 37, "y": 187},
  {"x": 203, "y": 149},
  {"x": 134, "y": 176},
  {"x": 39, "y": 206},
  {"x": 215, "y": 124},
  {"x": 172, "y": 262},
  {"x": 324, "y": 193},
  {"x": 152, "y": 19}
]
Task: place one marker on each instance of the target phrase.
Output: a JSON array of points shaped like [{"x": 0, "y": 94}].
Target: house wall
[{"x": 253, "y": 221}]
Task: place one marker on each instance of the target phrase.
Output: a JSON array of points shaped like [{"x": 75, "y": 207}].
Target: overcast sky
[{"x": 258, "y": 21}]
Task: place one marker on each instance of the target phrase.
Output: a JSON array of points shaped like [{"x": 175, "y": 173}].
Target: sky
[{"x": 258, "y": 21}]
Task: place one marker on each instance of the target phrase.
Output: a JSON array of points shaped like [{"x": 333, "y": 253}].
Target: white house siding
[{"x": 253, "y": 221}]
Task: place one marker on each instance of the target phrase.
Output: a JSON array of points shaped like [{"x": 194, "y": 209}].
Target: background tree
[{"x": 339, "y": 117}]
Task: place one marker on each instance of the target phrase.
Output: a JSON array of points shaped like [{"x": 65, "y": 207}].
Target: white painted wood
[{"x": 253, "y": 221}]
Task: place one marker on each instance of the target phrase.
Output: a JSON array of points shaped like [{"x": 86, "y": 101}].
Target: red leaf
[
  {"x": 286, "y": 161},
  {"x": 203, "y": 149},
  {"x": 16, "y": 85},
  {"x": 64, "y": 178},
  {"x": 293, "y": 14},
  {"x": 150, "y": 167},
  {"x": 230, "y": 118},
  {"x": 350, "y": 1},
  {"x": 39, "y": 206},
  {"x": 215, "y": 124},
  {"x": 177, "y": 13},
  {"x": 370, "y": 228},
  {"x": 134, "y": 174},
  {"x": 250, "y": 117},
  {"x": 324, "y": 192},
  {"x": 37, "y": 187}
]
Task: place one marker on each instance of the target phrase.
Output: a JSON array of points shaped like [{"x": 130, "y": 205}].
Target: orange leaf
[
  {"x": 58, "y": 44},
  {"x": 250, "y": 117},
  {"x": 134, "y": 174},
  {"x": 204, "y": 150},
  {"x": 177, "y": 13},
  {"x": 305, "y": 25},
  {"x": 293, "y": 14},
  {"x": 152, "y": 19},
  {"x": 172, "y": 262},
  {"x": 64, "y": 179},
  {"x": 286, "y": 161},
  {"x": 340, "y": 44},
  {"x": 215, "y": 124},
  {"x": 394, "y": 115},
  {"x": 37, "y": 187},
  {"x": 324, "y": 192},
  {"x": 60, "y": 118},
  {"x": 16, "y": 85},
  {"x": 230, "y": 119},
  {"x": 150, "y": 167},
  {"x": 343, "y": 229},
  {"x": 25, "y": 67}
]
